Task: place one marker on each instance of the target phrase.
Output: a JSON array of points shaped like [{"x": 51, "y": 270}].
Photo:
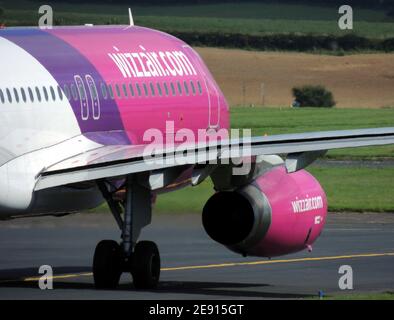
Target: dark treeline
[
  {"x": 288, "y": 42},
  {"x": 361, "y": 3}
]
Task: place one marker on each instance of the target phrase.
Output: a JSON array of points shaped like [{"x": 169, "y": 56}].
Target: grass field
[
  {"x": 288, "y": 120},
  {"x": 347, "y": 189},
  {"x": 246, "y": 18},
  {"x": 362, "y": 296}
]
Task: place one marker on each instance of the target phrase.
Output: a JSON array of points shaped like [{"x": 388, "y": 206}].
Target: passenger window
[
  {"x": 16, "y": 95},
  {"x": 1, "y": 96},
  {"x": 111, "y": 92},
  {"x": 186, "y": 87},
  {"x": 179, "y": 87},
  {"x": 125, "y": 91},
  {"x": 199, "y": 87},
  {"x": 45, "y": 93},
  {"x": 52, "y": 93},
  {"x": 93, "y": 91},
  {"x": 131, "y": 90},
  {"x": 173, "y": 89},
  {"x": 159, "y": 89},
  {"x": 137, "y": 85},
  {"x": 74, "y": 91},
  {"x": 38, "y": 94},
  {"x": 118, "y": 91},
  {"x": 152, "y": 88},
  {"x": 166, "y": 88},
  {"x": 146, "y": 89},
  {"x": 31, "y": 94},
  {"x": 60, "y": 93},
  {"x": 104, "y": 91},
  {"x": 193, "y": 87},
  {"x": 81, "y": 91},
  {"x": 67, "y": 92},
  {"x": 9, "y": 95},
  {"x": 23, "y": 93}
]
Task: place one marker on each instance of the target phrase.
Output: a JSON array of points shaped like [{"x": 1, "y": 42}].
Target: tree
[{"x": 313, "y": 96}]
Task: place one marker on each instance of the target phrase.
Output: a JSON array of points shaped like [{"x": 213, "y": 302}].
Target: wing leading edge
[{"x": 118, "y": 161}]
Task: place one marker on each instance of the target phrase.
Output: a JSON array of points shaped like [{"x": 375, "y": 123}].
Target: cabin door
[{"x": 209, "y": 88}]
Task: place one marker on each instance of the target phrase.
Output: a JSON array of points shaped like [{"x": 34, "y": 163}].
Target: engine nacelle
[{"x": 277, "y": 214}]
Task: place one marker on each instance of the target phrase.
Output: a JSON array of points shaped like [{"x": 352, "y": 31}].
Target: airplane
[{"x": 77, "y": 104}]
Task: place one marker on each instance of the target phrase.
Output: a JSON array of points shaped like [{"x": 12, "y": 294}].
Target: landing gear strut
[{"x": 141, "y": 259}]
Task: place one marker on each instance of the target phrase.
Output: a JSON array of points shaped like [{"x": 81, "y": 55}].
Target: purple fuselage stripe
[{"x": 63, "y": 62}]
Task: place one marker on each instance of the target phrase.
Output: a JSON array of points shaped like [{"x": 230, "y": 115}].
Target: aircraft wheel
[
  {"x": 146, "y": 265},
  {"x": 107, "y": 264}
]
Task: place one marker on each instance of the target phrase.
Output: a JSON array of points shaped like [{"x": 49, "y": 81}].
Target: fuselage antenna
[{"x": 131, "y": 18}]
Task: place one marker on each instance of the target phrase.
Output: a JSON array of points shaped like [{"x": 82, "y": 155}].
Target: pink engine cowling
[{"x": 277, "y": 214}]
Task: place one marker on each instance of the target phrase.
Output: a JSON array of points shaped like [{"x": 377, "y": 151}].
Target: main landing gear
[{"x": 141, "y": 259}]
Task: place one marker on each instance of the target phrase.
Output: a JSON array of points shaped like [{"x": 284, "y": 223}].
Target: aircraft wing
[{"x": 118, "y": 161}]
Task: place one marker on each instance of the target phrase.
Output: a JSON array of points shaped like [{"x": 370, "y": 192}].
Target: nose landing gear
[{"x": 141, "y": 259}]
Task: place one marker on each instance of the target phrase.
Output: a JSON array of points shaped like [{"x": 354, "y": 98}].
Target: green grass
[
  {"x": 287, "y": 120},
  {"x": 263, "y": 26},
  {"x": 357, "y": 189},
  {"x": 246, "y": 18},
  {"x": 362, "y": 296},
  {"x": 347, "y": 189}
]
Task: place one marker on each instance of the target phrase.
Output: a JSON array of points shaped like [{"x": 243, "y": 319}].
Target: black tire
[
  {"x": 107, "y": 264},
  {"x": 146, "y": 265}
]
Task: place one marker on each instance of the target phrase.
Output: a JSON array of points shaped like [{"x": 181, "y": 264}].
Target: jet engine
[{"x": 278, "y": 213}]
